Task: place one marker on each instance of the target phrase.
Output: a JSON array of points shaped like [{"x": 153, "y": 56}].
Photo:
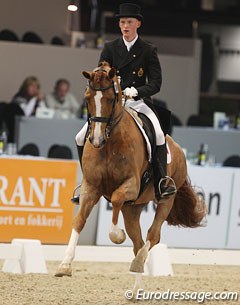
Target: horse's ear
[
  {"x": 86, "y": 74},
  {"x": 112, "y": 73}
]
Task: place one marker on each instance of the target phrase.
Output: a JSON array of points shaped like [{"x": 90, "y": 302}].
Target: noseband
[{"x": 110, "y": 121}]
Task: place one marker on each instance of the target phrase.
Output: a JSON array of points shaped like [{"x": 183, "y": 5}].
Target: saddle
[
  {"x": 142, "y": 120},
  {"x": 163, "y": 115}
]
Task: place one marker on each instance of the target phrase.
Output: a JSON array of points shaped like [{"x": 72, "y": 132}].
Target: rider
[{"x": 135, "y": 61}]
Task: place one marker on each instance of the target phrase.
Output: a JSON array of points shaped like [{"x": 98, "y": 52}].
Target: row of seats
[
  {"x": 193, "y": 120},
  {"x": 55, "y": 151},
  {"x": 232, "y": 161},
  {"x": 31, "y": 37},
  {"x": 64, "y": 152}
]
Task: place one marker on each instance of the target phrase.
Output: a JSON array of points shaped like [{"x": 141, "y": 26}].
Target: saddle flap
[{"x": 147, "y": 130}]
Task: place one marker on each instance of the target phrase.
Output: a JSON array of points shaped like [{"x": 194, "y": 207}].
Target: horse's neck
[{"x": 118, "y": 107}]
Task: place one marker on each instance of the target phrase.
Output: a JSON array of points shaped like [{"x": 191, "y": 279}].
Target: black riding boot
[
  {"x": 160, "y": 174},
  {"x": 75, "y": 198},
  {"x": 80, "y": 153}
]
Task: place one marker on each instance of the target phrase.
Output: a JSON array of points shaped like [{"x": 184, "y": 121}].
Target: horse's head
[{"x": 104, "y": 102}]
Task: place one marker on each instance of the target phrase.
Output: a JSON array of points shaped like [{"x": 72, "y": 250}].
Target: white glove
[{"x": 130, "y": 92}]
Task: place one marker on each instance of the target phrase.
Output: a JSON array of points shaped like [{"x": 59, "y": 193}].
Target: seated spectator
[
  {"x": 64, "y": 102},
  {"x": 29, "y": 97},
  {"x": 24, "y": 103}
]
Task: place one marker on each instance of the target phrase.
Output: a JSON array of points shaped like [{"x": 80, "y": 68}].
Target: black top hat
[{"x": 130, "y": 10}]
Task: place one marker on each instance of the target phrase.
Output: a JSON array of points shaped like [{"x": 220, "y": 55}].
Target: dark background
[{"x": 162, "y": 17}]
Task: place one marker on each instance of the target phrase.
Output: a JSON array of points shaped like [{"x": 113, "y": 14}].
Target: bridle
[{"x": 111, "y": 121}]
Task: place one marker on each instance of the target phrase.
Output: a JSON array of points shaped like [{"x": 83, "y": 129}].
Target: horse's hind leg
[
  {"x": 88, "y": 198},
  {"x": 162, "y": 212},
  {"x": 153, "y": 236},
  {"x": 131, "y": 216}
]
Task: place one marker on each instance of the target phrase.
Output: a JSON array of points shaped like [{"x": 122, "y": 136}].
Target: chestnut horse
[{"x": 113, "y": 162}]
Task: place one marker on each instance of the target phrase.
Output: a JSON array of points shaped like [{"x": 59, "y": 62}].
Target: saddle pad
[{"x": 138, "y": 121}]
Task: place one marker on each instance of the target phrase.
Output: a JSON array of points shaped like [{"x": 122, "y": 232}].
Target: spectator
[
  {"x": 29, "y": 97},
  {"x": 62, "y": 101},
  {"x": 24, "y": 103}
]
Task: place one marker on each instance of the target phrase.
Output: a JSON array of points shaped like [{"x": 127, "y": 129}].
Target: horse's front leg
[
  {"x": 89, "y": 196},
  {"x": 126, "y": 192},
  {"x": 131, "y": 215}
]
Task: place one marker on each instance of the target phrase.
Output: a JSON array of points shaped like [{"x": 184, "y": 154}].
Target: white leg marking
[
  {"x": 116, "y": 234},
  {"x": 147, "y": 245},
  {"x": 114, "y": 229},
  {"x": 138, "y": 284},
  {"x": 98, "y": 125},
  {"x": 70, "y": 251}
]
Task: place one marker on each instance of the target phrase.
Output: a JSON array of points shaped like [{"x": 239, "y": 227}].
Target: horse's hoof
[
  {"x": 137, "y": 266},
  {"x": 138, "y": 262},
  {"x": 117, "y": 237},
  {"x": 64, "y": 270}
]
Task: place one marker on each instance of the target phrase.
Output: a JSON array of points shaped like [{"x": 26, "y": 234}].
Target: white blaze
[{"x": 97, "y": 129}]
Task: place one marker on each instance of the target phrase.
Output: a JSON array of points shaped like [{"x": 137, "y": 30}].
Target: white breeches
[
  {"x": 139, "y": 106},
  {"x": 80, "y": 137}
]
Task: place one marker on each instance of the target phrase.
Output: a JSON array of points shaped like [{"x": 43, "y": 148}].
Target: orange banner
[{"x": 35, "y": 199}]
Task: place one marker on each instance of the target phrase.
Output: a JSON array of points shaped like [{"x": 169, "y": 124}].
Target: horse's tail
[{"x": 188, "y": 208}]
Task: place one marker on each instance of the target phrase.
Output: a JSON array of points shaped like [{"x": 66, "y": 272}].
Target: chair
[
  {"x": 159, "y": 103},
  {"x": 57, "y": 41},
  {"x": 199, "y": 120},
  {"x": 8, "y": 112},
  {"x": 60, "y": 152},
  {"x": 8, "y": 35},
  {"x": 232, "y": 161},
  {"x": 30, "y": 149},
  {"x": 31, "y": 37},
  {"x": 175, "y": 120}
]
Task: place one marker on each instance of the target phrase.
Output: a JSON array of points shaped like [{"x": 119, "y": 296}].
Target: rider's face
[{"x": 129, "y": 27}]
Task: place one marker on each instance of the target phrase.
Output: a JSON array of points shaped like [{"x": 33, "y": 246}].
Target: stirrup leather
[
  {"x": 75, "y": 198},
  {"x": 170, "y": 188}
]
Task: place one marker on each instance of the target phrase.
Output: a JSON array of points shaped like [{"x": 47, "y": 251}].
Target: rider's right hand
[{"x": 130, "y": 92}]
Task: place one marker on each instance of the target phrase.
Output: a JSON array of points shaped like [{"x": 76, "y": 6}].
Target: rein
[{"x": 110, "y": 121}]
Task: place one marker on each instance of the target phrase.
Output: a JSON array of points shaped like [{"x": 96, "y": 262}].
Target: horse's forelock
[
  {"x": 98, "y": 76},
  {"x": 104, "y": 64},
  {"x": 101, "y": 72}
]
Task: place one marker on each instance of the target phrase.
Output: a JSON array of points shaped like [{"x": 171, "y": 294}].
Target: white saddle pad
[{"x": 138, "y": 121}]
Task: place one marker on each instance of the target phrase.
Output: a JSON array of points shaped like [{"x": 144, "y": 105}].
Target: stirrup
[
  {"x": 169, "y": 189},
  {"x": 75, "y": 198}
]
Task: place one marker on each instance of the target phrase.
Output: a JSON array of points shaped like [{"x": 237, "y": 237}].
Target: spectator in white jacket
[{"x": 62, "y": 101}]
